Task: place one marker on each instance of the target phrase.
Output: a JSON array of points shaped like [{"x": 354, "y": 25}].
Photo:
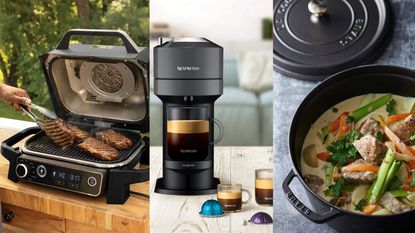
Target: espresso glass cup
[
  {"x": 230, "y": 197},
  {"x": 264, "y": 187}
]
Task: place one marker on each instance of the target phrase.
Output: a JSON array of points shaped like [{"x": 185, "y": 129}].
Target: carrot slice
[
  {"x": 323, "y": 156},
  {"x": 361, "y": 168},
  {"x": 370, "y": 209},
  {"x": 398, "y": 142},
  {"x": 397, "y": 117},
  {"x": 407, "y": 188},
  {"x": 411, "y": 165},
  {"x": 342, "y": 126},
  {"x": 335, "y": 124},
  {"x": 411, "y": 149}
]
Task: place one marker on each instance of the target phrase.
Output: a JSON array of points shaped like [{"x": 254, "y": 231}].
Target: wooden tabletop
[
  {"x": 133, "y": 216},
  {"x": 181, "y": 213}
]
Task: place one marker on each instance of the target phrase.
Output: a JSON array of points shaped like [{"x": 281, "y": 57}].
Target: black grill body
[{"x": 40, "y": 161}]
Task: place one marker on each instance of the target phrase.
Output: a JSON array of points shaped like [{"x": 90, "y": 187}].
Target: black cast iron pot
[{"x": 353, "y": 82}]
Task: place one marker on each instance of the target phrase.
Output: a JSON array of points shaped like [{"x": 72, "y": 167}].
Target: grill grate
[{"x": 41, "y": 143}]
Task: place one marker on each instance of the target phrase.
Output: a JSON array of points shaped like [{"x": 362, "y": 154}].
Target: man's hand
[{"x": 14, "y": 96}]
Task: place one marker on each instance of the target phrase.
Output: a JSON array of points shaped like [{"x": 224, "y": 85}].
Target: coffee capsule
[
  {"x": 211, "y": 208},
  {"x": 261, "y": 218}
]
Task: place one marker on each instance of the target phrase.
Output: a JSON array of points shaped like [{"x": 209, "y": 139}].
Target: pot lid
[
  {"x": 102, "y": 85},
  {"x": 316, "y": 38}
]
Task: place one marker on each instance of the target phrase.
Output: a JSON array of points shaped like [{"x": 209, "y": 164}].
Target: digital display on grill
[{"x": 66, "y": 176}]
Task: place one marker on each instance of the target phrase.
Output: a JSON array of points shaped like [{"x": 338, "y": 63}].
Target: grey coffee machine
[{"x": 188, "y": 79}]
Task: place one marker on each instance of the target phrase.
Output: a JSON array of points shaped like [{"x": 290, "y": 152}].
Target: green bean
[
  {"x": 377, "y": 187},
  {"x": 391, "y": 173},
  {"x": 360, "y": 113}
]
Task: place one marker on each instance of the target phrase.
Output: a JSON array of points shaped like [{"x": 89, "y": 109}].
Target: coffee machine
[{"x": 188, "y": 79}]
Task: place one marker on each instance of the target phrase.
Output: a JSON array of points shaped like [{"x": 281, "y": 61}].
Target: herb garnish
[
  {"x": 391, "y": 107},
  {"x": 349, "y": 119},
  {"x": 362, "y": 203},
  {"x": 395, "y": 183},
  {"x": 324, "y": 134},
  {"x": 334, "y": 109},
  {"x": 412, "y": 184},
  {"x": 380, "y": 136},
  {"x": 343, "y": 149},
  {"x": 335, "y": 190},
  {"x": 412, "y": 139}
]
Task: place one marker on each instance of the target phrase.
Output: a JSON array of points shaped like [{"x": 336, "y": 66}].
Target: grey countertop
[{"x": 288, "y": 94}]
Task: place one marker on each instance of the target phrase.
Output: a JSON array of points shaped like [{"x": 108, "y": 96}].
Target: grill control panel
[{"x": 62, "y": 175}]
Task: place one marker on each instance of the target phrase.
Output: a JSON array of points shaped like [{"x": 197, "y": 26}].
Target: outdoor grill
[{"x": 94, "y": 88}]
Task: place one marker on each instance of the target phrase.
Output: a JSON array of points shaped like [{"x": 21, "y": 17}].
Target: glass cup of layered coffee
[
  {"x": 264, "y": 187},
  {"x": 230, "y": 196}
]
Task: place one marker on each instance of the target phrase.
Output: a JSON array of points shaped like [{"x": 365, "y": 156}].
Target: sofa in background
[{"x": 246, "y": 116}]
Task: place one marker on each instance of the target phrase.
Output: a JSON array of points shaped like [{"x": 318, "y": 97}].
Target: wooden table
[
  {"x": 41, "y": 209},
  {"x": 181, "y": 213}
]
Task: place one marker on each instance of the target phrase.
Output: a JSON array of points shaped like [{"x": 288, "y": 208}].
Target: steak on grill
[
  {"x": 80, "y": 134},
  {"x": 98, "y": 149},
  {"x": 58, "y": 131},
  {"x": 114, "y": 139}
]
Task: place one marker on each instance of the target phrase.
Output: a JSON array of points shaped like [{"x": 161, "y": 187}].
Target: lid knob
[{"x": 317, "y": 7}]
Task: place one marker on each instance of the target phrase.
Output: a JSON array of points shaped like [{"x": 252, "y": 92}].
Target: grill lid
[
  {"x": 316, "y": 38},
  {"x": 102, "y": 85}
]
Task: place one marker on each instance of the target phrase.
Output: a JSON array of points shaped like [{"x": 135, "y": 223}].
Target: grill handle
[
  {"x": 128, "y": 42},
  {"x": 120, "y": 179},
  {"x": 11, "y": 153}
]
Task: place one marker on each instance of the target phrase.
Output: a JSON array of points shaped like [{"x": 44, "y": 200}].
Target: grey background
[{"x": 288, "y": 94}]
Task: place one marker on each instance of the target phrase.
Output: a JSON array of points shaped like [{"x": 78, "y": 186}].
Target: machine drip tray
[{"x": 163, "y": 190}]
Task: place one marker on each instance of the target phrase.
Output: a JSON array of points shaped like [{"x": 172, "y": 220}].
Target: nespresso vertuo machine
[{"x": 188, "y": 79}]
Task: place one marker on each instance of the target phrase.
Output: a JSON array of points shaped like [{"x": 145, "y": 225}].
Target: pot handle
[
  {"x": 128, "y": 42},
  {"x": 304, "y": 210}
]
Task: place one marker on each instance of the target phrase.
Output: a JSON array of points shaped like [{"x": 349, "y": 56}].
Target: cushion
[{"x": 255, "y": 70}]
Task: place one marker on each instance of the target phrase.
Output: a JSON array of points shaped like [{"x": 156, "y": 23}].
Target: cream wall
[{"x": 233, "y": 24}]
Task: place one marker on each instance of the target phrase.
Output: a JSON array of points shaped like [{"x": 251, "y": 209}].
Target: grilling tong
[{"x": 44, "y": 111}]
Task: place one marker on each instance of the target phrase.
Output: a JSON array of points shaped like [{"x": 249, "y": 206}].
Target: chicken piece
[
  {"x": 404, "y": 129},
  {"x": 58, "y": 131},
  {"x": 371, "y": 149},
  {"x": 98, "y": 149},
  {"x": 315, "y": 182},
  {"x": 80, "y": 134},
  {"x": 388, "y": 201},
  {"x": 114, "y": 139},
  {"x": 370, "y": 127},
  {"x": 365, "y": 177}
]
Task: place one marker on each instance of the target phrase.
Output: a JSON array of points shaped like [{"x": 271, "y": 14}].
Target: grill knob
[
  {"x": 92, "y": 181},
  {"x": 41, "y": 171},
  {"x": 21, "y": 170}
]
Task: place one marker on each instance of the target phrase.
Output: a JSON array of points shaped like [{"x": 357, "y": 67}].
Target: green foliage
[
  {"x": 29, "y": 29},
  {"x": 9, "y": 112}
]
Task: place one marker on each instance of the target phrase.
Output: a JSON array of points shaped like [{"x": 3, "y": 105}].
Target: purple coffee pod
[{"x": 261, "y": 218}]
